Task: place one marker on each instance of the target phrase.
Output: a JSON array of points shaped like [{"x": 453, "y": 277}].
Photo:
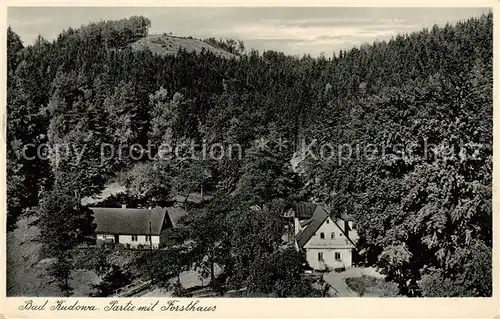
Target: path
[{"x": 337, "y": 280}]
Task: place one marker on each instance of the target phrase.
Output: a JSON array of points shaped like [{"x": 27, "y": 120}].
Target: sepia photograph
[{"x": 248, "y": 152}]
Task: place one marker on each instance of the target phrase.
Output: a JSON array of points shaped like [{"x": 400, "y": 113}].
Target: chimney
[
  {"x": 346, "y": 228},
  {"x": 124, "y": 205},
  {"x": 296, "y": 225}
]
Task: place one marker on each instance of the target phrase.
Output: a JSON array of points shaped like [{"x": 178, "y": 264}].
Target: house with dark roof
[
  {"x": 135, "y": 227},
  {"x": 327, "y": 241}
]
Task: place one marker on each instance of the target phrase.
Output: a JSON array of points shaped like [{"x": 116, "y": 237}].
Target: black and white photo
[{"x": 248, "y": 152}]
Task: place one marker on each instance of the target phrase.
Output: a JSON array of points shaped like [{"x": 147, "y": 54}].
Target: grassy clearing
[
  {"x": 170, "y": 45},
  {"x": 27, "y": 272},
  {"x": 369, "y": 286}
]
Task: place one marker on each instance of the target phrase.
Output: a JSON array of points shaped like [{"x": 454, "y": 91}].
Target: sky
[{"x": 295, "y": 31}]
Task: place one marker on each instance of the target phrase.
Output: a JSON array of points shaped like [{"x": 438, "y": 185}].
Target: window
[
  {"x": 333, "y": 235},
  {"x": 322, "y": 235},
  {"x": 328, "y": 221},
  {"x": 320, "y": 257},
  {"x": 340, "y": 234},
  {"x": 134, "y": 237},
  {"x": 337, "y": 256}
]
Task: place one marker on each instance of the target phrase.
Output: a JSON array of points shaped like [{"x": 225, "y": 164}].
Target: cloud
[
  {"x": 34, "y": 22},
  {"x": 291, "y": 30}
]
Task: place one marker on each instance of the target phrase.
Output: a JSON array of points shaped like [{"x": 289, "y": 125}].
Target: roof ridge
[
  {"x": 319, "y": 216},
  {"x": 115, "y": 220}
]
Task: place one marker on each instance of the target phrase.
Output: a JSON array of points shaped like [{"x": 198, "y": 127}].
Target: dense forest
[{"x": 423, "y": 216}]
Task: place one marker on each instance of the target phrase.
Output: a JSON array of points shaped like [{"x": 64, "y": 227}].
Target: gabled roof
[
  {"x": 319, "y": 216},
  {"x": 305, "y": 222},
  {"x": 304, "y": 210},
  {"x": 129, "y": 221}
]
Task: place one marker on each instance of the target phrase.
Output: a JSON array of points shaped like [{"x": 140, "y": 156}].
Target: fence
[{"x": 132, "y": 289}]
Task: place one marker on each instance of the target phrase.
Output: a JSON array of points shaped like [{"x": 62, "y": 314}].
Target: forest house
[
  {"x": 140, "y": 228},
  {"x": 327, "y": 241}
]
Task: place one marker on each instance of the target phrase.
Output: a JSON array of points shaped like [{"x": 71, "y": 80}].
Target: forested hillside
[{"x": 421, "y": 214}]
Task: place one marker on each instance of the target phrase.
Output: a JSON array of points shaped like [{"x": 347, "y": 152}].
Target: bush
[
  {"x": 371, "y": 286},
  {"x": 280, "y": 274},
  {"x": 115, "y": 279}
]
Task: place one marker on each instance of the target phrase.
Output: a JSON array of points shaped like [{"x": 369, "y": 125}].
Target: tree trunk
[
  {"x": 179, "y": 287},
  {"x": 185, "y": 202},
  {"x": 212, "y": 269},
  {"x": 66, "y": 287}
]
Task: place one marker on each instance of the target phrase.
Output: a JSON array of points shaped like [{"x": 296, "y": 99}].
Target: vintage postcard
[{"x": 249, "y": 161}]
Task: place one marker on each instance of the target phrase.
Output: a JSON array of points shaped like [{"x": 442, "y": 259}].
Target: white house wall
[
  {"x": 296, "y": 225},
  {"x": 100, "y": 237},
  {"x": 329, "y": 260},
  {"x": 141, "y": 240},
  {"x": 328, "y": 227},
  {"x": 127, "y": 240},
  {"x": 328, "y": 246}
]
